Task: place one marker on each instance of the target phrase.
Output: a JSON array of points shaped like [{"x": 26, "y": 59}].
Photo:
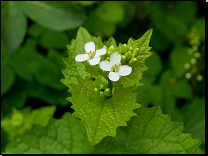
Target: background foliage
[{"x": 34, "y": 36}]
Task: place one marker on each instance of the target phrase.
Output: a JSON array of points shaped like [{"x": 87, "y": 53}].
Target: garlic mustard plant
[
  {"x": 91, "y": 55},
  {"x": 115, "y": 68}
]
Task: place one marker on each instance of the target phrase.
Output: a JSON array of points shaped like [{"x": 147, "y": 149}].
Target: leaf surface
[{"x": 150, "y": 132}]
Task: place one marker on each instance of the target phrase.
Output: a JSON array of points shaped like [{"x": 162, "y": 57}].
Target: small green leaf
[
  {"x": 110, "y": 11},
  {"x": 46, "y": 76},
  {"x": 7, "y": 79},
  {"x": 150, "y": 132},
  {"x": 53, "y": 39},
  {"x": 13, "y": 24},
  {"x": 110, "y": 42},
  {"x": 139, "y": 66},
  {"x": 66, "y": 136},
  {"x": 21, "y": 67},
  {"x": 57, "y": 16},
  {"x": 101, "y": 117}
]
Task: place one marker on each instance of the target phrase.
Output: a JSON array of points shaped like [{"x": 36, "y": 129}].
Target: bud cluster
[
  {"x": 128, "y": 53},
  {"x": 103, "y": 90},
  {"x": 194, "y": 42}
]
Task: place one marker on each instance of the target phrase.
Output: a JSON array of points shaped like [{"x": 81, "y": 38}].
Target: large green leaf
[
  {"x": 101, "y": 116},
  {"x": 66, "y": 136},
  {"x": 13, "y": 24},
  {"x": 150, "y": 132},
  {"x": 54, "y": 15}
]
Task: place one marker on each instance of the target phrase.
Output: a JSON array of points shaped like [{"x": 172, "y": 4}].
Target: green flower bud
[
  {"x": 187, "y": 66},
  {"x": 193, "y": 61},
  {"x": 108, "y": 53},
  {"x": 197, "y": 55},
  {"x": 199, "y": 77},
  {"x": 105, "y": 47},
  {"x": 107, "y": 92},
  {"x": 123, "y": 59},
  {"x": 188, "y": 75},
  {"x": 128, "y": 55},
  {"x": 123, "y": 49},
  {"x": 195, "y": 48},
  {"x": 132, "y": 61},
  {"x": 101, "y": 86},
  {"x": 130, "y": 49},
  {"x": 107, "y": 58},
  {"x": 101, "y": 93},
  {"x": 136, "y": 51},
  {"x": 111, "y": 49},
  {"x": 133, "y": 55}
]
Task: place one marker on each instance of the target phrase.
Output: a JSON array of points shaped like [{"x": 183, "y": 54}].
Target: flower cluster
[{"x": 113, "y": 65}]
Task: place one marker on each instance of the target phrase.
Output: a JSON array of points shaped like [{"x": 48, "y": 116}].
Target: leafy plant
[{"x": 117, "y": 89}]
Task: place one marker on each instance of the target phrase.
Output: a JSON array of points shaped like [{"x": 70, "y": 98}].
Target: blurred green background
[{"x": 34, "y": 35}]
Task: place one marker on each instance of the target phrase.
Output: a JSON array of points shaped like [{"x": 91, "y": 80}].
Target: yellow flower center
[
  {"x": 91, "y": 54},
  {"x": 115, "y": 68}
]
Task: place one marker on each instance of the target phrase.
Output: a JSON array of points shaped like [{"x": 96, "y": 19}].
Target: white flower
[
  {"x": 115, "y": 67},
  {"x": 92, "y": 56}
]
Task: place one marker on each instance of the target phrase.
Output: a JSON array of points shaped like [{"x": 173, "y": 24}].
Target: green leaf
[
  {"x": 139, "y": 66},
  {"x": 7, "y": 79},
  {"x": 18, "y": 94},
  {"x": 13, "y": 24},
  {"x": 110, "y": 11},
  {"x": 36, "y": 30},
  {"x": 66, "y": 136},
  {"x": 21, "y": 67},
  {"x": 57, "y": 16},
  {"x": 72, "y": 71},
  {"x": 48, "y": 75},
  {"x": 110, "y": 42},
  {"x": 13, "y": 125},
  {"x": 4, "y": 54},
  {"x": 129, "y": 13},
  {"x": 53, "y": 39},
  {"x": 150, "y": 132},
  {"x": 48, "y": 95},
  {"x": 77, "y": 47},
  {"x": 101, "y": 117}
]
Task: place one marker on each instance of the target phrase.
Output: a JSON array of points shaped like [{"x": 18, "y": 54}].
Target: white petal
[
  {"x": 105, "y": 65},
  {"x": 81, "y": 57},
  {"x": 89, "y": 46},
  {"x": 124, "y": 70},
  {"x": 100, "y": 52},
  {"x": 114, "y": 76},
  {"x": 115, "y": 58},
  {"x": 94, "y": 61}
]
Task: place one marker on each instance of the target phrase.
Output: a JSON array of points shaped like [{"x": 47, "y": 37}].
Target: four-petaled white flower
[
  {"x": 115, "y": 67},
  {"x": 91, "y": 55}
]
